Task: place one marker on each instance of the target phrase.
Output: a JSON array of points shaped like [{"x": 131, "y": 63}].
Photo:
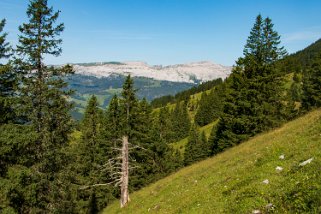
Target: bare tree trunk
[{"x": 124, "y": 198}]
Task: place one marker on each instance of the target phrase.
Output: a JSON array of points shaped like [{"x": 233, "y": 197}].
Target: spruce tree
[
  {"x": 203, "y": 115},
  {"x": 112, "y": 120},
  {"x": 142, "y": 129},
  {"x": 196, "y": 148},
  {"x": 180, "y": 121},
  {"x": 296, "y": 88},
  {"x": 164, "y": 126},
  {"x": 93, "y": 152},
  {"x": 90, "y": 128},
  {"x": 8, "y": 80},
  {"x": 43, "y": 92},
  {"x": 129, "y": 105},
  {"x": 210, "y": 106},
  {"x": 212, "y": 142},
  {"x": 311, "y": 97},
  {"x": 254, "y": 102},
  {"x": 5, "y": 48},
  {"x": 128, "y": 118},
  {"x": 45, "y": 107}
]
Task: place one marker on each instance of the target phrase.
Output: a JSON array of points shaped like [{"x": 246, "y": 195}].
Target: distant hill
[
  {"x": 186, "y": 94},
  {"x": 106, "y": 78},
  {"x": 298, "y": 61},
  {"x": 295, "y": 62},
  {"x": 105, "y": 87},
  {"x": 277, "y": 171}
]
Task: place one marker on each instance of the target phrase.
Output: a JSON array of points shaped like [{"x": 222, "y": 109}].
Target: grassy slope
[
  {"x": 231, "y": 182},
  {"x": 180, "y": 145}
]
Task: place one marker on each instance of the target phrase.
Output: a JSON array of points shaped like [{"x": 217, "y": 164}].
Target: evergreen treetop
[
  {"x": 8, "y": 80},
  {"x": 311, "y": 97},
  {"x": 254, "y": 102},
  {"x": 5, "y": 48}
]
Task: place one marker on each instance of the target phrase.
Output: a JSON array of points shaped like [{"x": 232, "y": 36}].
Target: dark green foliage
[
  {"x": 8, "y": 80},
  {"x": 106, "y": 87},
  {"x": 300, "y": 60},
  {"x": 135, "y": 122},
  {"x": 210, "y": 106},
  {"x": 17, "y": 146},
  {"x": 129, "y": 105},
  {"x": 184, "y": 95},
  {"x": 312, "y": 85},
  {"x": 43, "y": 96},
  {"x": 296, "y": 88},
  {"x": 90, "y": 128},
  {"x": 112, "y": 120},
  {"x": 38, "y": 182},
  {"x": 93, "y": 209},
  {"x": 5, "y": 48},
  {"x": 212, "y": 142},
  {"x": 206, "y": 148},
  {"x": 180, "y": 121},
  {"x": 165, "y": 159},
  {"x": 8, "y": 84},
  {"x": 197, "y": 147},
  {"x": 254, "y": 103},
  {"x": 163, "y": 129},
  {"x": 204, "y": 114},
  {"x": 44, "y": 169},
  {"x": 24, "y": 187},
  {"x": 92, "y": 151},
  {"x": 150, "y": 156}
]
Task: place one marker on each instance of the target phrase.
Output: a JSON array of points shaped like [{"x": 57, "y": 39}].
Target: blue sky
[{"x": 169, "y": 31}]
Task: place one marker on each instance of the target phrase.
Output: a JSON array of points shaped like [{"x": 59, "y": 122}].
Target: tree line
[
  {"x": 184, "y": 95},
  {"x": 52, "y": 164},
  {"x": 255, "y": 98}
]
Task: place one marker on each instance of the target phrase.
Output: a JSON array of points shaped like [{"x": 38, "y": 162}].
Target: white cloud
[
  {"x": 8, "y": 5},
  {"x": 306, "y": 35}
]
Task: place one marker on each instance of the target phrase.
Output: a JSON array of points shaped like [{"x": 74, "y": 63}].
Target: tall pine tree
[
  {"x": 8, "y": 79},
  {"x": 312, "y": 86},
  {"x": 90, "y": 128},
  {"x": 211, "y": 105},
  {"x": 196, "y": 148},
  {"x": 181, "y": 123},
  {"x": 45, "y": 106},
  {"x": 43, "y": 90},
  {"x": 254, "y": 102}
]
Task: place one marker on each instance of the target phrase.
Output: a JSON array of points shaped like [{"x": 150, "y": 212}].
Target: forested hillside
[
  {"x": 105, "y": 88},
  {"x": 184, "y": 95},
  {"x": 51, "y": 163},
  {"x": 274, "y": 172},
  {"x": 299, "y": 61}
]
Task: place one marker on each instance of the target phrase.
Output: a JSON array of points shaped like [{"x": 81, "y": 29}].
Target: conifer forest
[{"x": 51, "y": 162}]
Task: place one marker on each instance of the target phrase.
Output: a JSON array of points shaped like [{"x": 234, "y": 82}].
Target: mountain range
[
  {"x": 106, "y": 78},
  {"x": 189, "y": 73}
]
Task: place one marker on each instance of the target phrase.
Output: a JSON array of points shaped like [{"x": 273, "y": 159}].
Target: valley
[
  {"x": 105, "y": 79},
  {"x": 124, "y": 136}
]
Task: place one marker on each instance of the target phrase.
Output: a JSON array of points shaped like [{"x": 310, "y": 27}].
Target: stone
[
  {"x": 269, "y": 207},
  {"x": 278, "y": 168},
  {"x": 306, "y": 162}
]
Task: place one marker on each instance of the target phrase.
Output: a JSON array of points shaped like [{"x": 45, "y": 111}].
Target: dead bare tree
[
  {"x": 118, "y": 167},
  {"x": 124, "y": 199}
]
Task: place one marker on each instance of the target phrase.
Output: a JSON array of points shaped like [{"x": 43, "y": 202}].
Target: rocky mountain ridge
[{"x": 189, "y": 73}]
